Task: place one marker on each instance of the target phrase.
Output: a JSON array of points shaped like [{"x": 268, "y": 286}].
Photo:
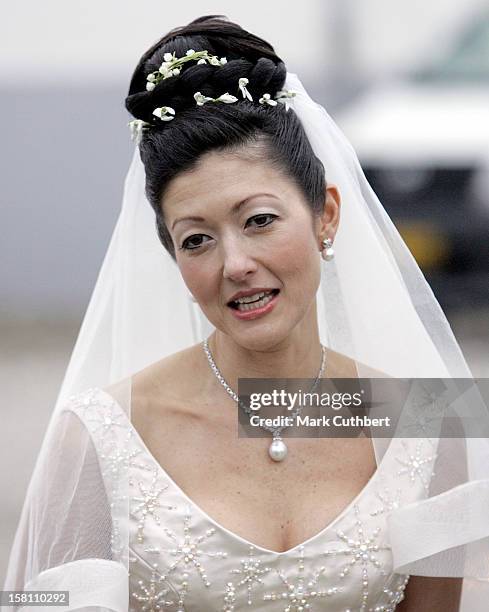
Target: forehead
[{"x": 224, "y": 176}]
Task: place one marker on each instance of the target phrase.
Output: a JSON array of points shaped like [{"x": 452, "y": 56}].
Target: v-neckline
[{"x": 232, "y": 534}]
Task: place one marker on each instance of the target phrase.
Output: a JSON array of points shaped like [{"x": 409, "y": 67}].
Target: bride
[{"x": 144, "y": 497}]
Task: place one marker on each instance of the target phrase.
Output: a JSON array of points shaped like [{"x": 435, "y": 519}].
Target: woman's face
[{"x": 238, "y": 224}]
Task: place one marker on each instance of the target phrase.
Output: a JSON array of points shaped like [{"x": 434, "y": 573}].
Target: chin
[{"x": 263, "y": 339}]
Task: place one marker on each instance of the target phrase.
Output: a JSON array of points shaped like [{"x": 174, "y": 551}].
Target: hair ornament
[
  {"x": 284, "y": 96},
  {"x": 172, "y": 66},
  {"x": 136, "y": 127},
  {"x": 242, "y": 83},
  {"x": 165, "y": 113},
  {"x": 226, "y": 98},
  {"x": 267, "y": 99}
]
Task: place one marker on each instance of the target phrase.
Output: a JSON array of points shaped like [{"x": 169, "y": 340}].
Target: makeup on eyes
[{"x": 270, "y": 218}]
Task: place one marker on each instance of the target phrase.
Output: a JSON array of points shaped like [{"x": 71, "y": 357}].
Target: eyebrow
[{"x": 236, "y": 207}]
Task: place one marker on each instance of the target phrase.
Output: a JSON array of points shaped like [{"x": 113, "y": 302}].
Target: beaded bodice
[{"x": 181, "y": 559}]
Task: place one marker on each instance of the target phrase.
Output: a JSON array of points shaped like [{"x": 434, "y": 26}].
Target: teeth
[
  {"x": 255, "y": 305},
  {"x": 251, "y": 298}
]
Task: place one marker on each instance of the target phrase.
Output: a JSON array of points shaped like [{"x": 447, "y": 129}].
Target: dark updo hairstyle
[{"x": 170, "y": 147}]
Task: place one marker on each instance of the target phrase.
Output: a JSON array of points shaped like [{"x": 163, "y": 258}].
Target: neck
[{"x": 296, "y": 356}]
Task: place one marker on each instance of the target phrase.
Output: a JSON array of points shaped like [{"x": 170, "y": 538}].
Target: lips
[{"x": 256, "y": 309}]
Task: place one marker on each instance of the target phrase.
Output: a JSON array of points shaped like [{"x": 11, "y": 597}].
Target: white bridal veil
[{"x": 373, "y": 305}]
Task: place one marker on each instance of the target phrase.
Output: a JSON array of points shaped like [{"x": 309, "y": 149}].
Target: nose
[{"x": 238, "y": 262}]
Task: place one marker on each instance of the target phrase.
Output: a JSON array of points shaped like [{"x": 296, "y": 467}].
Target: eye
[
  {"x": 189, "y": 245},
  {"x": 262, "y": 220}
]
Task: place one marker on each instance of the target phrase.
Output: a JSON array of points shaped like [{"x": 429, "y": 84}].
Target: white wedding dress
[{"x": 182, "y": 559}]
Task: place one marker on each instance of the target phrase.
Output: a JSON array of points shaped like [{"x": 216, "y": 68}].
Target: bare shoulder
[
  {"x": 171, "y": 384},
  {"x": 170, "y": 374},
  {"x": 339, "y": 365}
]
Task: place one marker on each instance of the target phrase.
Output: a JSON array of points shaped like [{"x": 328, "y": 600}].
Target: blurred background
[{"x": 407, "y": 81}]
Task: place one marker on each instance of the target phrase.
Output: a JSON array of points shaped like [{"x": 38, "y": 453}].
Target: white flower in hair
[
  {"x": 172, "y": 65},
  {"x": 267, "y": 99},
  {"x": 285, "y": 93},
  {"x": 242, "y": 83},
  {"x": 201, "y": 99},
  {"x": 150, "y": 86},
  {"x": 165, "y": 113},
  {"x": 284, "y": 96},
  {"x": 136, "y": 127},
  {"x": 165, "y": 70},
  {"x": 226, "y": 98}
]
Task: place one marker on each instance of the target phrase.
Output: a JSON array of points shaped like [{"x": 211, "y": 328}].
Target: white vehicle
[{"x": 423, "y": 143}]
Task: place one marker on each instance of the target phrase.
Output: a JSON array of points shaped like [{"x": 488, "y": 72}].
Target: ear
[{"x": 327, "y": 223}]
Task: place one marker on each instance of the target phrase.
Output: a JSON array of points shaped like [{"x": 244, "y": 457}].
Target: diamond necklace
[{"x": 278, "y": 448}]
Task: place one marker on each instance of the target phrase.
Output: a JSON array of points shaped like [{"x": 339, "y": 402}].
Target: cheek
[
  {"x": 294, "y": 251},
  {"x": 197, "y": 279}
]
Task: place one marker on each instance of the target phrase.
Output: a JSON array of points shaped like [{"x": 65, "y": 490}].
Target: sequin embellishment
[
  {"x": 297, "y": 594},
  {"x": 362, "y": 550}
]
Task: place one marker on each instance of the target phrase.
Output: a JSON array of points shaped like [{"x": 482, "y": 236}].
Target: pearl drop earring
[{"x": 327, "y": 252}]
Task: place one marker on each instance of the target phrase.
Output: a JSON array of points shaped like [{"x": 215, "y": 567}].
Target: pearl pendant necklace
[{"x": 277, "y": 450}]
